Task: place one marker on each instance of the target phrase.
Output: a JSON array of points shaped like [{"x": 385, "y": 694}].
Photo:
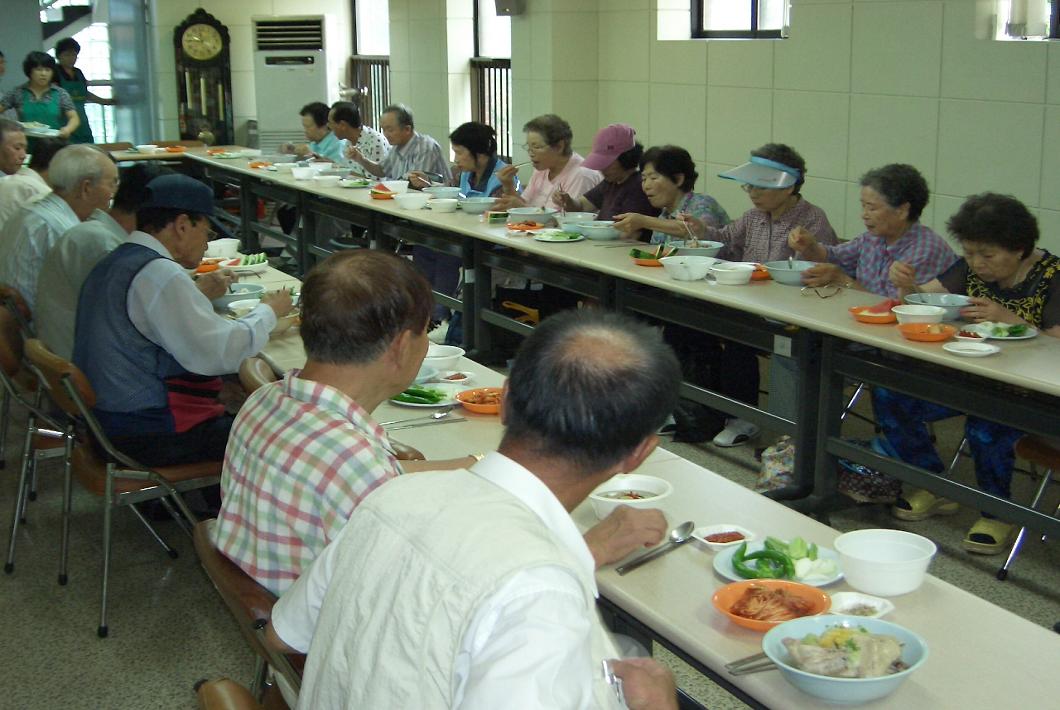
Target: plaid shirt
[
  {"x": 867, "y": 258},
  {"x": 421, "y": 153},
  {"x": 300, "y": 458},
  {"x": 757, "y": 237}
]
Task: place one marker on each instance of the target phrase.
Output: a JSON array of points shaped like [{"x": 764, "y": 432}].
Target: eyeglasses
[
  {"x": 755, "y": 188},
  {"x": 821, "y": 291},
  {"x": 535, "y": 148}
]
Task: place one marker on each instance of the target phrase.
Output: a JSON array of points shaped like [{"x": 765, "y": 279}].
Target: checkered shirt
[
  {"x": 756, "y": 236},
  {"x": 300, "y": 458},
  {"x": 421, "y": 153},
  {"x": 867, "y": 258}
]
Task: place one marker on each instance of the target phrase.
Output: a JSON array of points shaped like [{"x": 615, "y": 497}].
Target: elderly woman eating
[
  {"x": 1010, "y": 281},
  {"x": 557, "y": 168},
  {"x": 475, "y": 150},
  {"x": 668, "y": 175},
  {"x": 892, "y": 199}
]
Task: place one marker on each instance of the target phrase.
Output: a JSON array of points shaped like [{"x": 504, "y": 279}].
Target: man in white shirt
[
  {"x": 30, "y": 182},
  {"x": 345, "y": 122},
  {"x": 150, "y": 342},
  {"x": 473, "y": 588},
  {"x": 84, "y": 179}
]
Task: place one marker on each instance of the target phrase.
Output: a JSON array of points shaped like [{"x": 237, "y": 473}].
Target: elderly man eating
[
  {"x": 27, "y": 183},
  {"x": 84, "y": 179},
  {"x": 473, "y": 588},
  {"x": 413, "y": 155},
  {"x": 149, "y": 341},
  {"x": 305, "y": 452}
]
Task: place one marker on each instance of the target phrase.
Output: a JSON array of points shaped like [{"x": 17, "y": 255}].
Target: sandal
[
  {"x": 988, "y": 536},
  {"x": 921, "y": 505}
]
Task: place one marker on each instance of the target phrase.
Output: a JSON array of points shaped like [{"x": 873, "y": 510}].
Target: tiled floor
[{"x": 168, "y": 628}]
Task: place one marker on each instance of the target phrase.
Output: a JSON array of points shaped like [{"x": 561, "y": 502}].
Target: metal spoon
[
  {"x": 678, "y": 536},
  {"x": 440, "y": 414}
]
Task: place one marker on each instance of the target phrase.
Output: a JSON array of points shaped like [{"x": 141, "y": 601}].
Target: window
[
  {"x": 491, "y": 74},
  {"x": 1027, "y": 19},
  {"x": 369, "y": 74},
  {"x": 740, "y": 19},
  {"x": 371, "y": 28}
]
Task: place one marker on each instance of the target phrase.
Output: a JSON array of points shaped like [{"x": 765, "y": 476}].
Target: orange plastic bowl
[
  {"x": 728, "y": 595},
  {"x": 647, "y": 262},
  {"x": 862, "y": 314},
  {"x": 927, "y": 332},
  {"x": 462, "y": 397}
]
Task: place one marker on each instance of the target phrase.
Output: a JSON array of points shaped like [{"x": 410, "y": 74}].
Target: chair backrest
[
  {"x": 10, "y": 343},
  {"x": 255, "y": 373},
  {"x": 404, "y": 452},
  {"x": 225, "y": 694},
  {"x": 12, "y": 300},
  {"x": 53, "y": 370}
]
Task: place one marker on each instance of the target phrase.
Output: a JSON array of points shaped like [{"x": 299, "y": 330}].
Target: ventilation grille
[{"x": 302, "y": 34}]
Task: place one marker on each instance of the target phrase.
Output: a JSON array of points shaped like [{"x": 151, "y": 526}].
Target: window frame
[{"x": 697, "y": 14}]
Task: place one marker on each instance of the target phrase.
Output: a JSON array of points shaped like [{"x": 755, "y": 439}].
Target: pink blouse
[{"x": 573, "y": 179}]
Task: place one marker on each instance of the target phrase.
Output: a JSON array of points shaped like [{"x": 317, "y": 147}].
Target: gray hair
[
  {"x": 74, "y": 164},
  {"x": 403, "y": 114},
  {"x": 9, "y": 126}
]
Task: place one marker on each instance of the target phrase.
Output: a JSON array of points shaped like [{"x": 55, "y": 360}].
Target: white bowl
[
  {"x": 284, "y": 167},
  {"x": 320, "y": 165},
  {"x": 238, "y": 292},
  {"x": 952, "y": 303},
  {"x": 397, "y": 186},
  {"x": 426, "y": 374},
  {"x": 244, "y": 306},
  {"x": 327, "y": 180},
  {"x": 602, "y": 505},
  {"x": 843, "y": 691},
  {"x": 250, "y": 153},
  {"x": 443, "y": 204},
  {"x": 789, "y": 274},
  {"x": 442, "y": 192},
  {"x": 844, "y": 601},
  {"x": 571, "y": 221},
  {"x": 466, "y": 377},
  {"x": 601, "y": 230},
  {"x": 443, "y": 357},
  {"x": 521, "y": 214},
  {"x": 476, "y": 205},
  {"x": 411, "y": 200},
  {"x": 705, "y": 248},
  {"x": 687, "y": 268},
  {"x": 147, "y": 148},
  {"x": 884, "y": 562},
  {"x": 732, "y": 273},
  {"x": 701, "y": 534},
  {"x": 919, "y": 314},
  {"x": 301, "y": 173},
  {"x": 228, "y": 248}
]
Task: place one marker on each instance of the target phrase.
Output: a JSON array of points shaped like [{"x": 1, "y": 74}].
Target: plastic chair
[
  {"x": 1040, "y": 453},
  {"x": 254, "y": 373},
  {"x": 118, "y": 480},
  {"x": 224, "y": 694},
  {"x": 12, "y": 302}
]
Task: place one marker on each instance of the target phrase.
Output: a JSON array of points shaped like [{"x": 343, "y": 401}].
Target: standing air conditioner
[{"x": 290, "y": 71}]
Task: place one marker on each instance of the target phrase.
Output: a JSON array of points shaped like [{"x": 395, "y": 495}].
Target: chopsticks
[{"x": 752, "y": 664}]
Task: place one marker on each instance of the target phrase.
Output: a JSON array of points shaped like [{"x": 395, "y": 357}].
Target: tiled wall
[
  {"x": 236, "y": 15},
  {"x": 860, "y": 83}
]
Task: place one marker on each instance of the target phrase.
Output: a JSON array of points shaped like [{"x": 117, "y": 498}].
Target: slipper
[
  {"x": 988, "y": 536},
  {"x": 921, "y": 505},
  {"x": 736, "y": 432}
]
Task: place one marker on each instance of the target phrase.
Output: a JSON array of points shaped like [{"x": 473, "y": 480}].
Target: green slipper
[
  {"x": 921, "y": 505},
  {"x": 988, "y": 536}
]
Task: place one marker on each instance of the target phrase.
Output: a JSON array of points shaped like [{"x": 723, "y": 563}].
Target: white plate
[
  {"x": 39, "y": 131},
  {"x": 970, "y": 348},
  {"x": 984, "y": 330},
  {"x": 557, "y": 236},
  {"x": 841, "y": 601},
  {"x": 701, "y": 533},
  {"x": 355, "y": 184},
  {"x": 723, "y": 565},
  {"x": 468, "y": 377},
  {"x": 449, "y": 401}
]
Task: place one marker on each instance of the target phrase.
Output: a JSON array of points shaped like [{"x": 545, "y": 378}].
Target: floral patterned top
[{"x": 702, "y": 207}]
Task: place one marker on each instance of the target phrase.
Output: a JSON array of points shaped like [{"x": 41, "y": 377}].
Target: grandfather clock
[{"x": 204, "y": 78}]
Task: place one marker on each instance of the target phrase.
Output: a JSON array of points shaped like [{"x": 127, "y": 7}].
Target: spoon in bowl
[{"x": 678, "y": 536}]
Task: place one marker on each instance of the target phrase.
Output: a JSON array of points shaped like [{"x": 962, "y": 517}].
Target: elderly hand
[
  {"x": 902, "y": 275},
  {"x": 506, "y": 202},
  {"x": 698, "y": 226},
  {"x": 279, "y": 301},
  {"x": 215, "y": 284},
  {"x": 418, "y": 180},
  {"x": 983, "y": 309},
  {"x": 288, "y": 148},
  {"x": 566, "y": 202},
  {"x": 354, "y": 153},
  {"x": 507, "y": 177},
  {"x": 646, "y": 683},
  {"x": 624, "y": 531},
  {"x": 823, "y": 275},
  {"x": 630, "y": 222},
  {"x": 801, "y": 239}
]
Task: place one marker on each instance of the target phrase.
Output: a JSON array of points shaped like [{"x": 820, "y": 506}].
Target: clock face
[{"x": 201, "y": 42}]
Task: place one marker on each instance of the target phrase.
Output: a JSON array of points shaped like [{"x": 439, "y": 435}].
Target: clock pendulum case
[{"x": 204, "y": 78}]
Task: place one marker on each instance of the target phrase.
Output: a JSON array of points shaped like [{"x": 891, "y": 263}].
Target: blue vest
[{"x": 127, "y": 370}]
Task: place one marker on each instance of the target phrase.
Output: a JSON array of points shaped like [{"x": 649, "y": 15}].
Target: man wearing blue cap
[{"x": 149, "y": 340}]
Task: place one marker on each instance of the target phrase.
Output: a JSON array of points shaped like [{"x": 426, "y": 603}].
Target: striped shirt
[
  {"x": 868, "y": 258},
  {"x": 300, "y": 458},
  {"x": 421, "y": 153},
  {"x": 26, "y": 239},
  {"x": 755, "y": 236}
]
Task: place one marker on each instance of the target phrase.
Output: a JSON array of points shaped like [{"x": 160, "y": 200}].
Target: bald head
[
  {"x": 588, "y": 387},
  {"x": 85, "y": 177}
]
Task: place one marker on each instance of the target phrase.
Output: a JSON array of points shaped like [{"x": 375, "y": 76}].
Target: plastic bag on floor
[{"x": 778, "y": 466}]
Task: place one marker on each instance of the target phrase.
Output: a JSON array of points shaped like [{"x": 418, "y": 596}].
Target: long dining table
[
  {"x": 1020, "y": 386},
  {"x": 981, "y": 656}
]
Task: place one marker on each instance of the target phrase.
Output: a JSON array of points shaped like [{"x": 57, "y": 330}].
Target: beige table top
[{"x": 1032, "y": 364}]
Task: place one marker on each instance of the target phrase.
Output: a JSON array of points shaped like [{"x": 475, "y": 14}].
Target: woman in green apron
[
  {"x": 38, "y": 101},
  {"x": 73, "y": 80}
]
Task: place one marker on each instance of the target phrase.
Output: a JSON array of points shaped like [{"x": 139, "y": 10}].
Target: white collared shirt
[
  {"x": 18, "y": 190},
  {"x": 170, "y": 311},
  {"x": 27, "y": 237},
  {"x": 530, "y": 640}
]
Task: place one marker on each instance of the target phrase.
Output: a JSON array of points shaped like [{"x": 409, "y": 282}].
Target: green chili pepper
[
  {"x": 413, "y": 399},
  {"x": 787, "y": 567},
  {"x": 433, "y": 396},
  {"x": 738, "y": 563}
]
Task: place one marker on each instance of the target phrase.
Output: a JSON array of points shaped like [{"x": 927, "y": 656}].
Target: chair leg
[
  {"x": 20, "y": 498},
  {"x": 150, "y": 529},
  {"x": 1002, "y": 574},
  {"x": 957, "y": 456},
  {"x": 853, "y": 400},
  {"x": 108, "y": 513},
  {"x": 261, "y": 678},
  {"x": 64, "y": 545},
  {"x": 5, "y": 412}
]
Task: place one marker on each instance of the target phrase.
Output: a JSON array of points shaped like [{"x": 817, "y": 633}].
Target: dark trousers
[
  {"x": 442, "y": 270},
  {"x": 205, "y": 442}
]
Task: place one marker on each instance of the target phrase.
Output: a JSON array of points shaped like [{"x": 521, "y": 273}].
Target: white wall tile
[
  {"x": 1053, "y": 72},
  {"x": 1050, "y": 192},
  {"x": 817, "y": 55},
  {"x": 575, "y": 101},
  {"x": 1049, "y": 226},
  {"x": 815, "y": 124},
  {"x": 574, "y": 49},
  {"x": 624, "y": 54},
  {"x": 738, "y": 120},
  {"x": 726, "y": 192},
  {"x": 830, "y": 196},
  {"x": 881, "y": 65},
  {"x": 627, "y": 102},
  {"x": 737, "y": 63},
  {"x": 679, "y": 62},
  {"x": 678, "y": 117},
  {"x": 893, "y": 129}
]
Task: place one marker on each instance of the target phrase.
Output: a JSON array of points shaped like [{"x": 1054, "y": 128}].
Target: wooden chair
[
  {"x": 118, "y": 479},
  {"x": 254, "y": 373},
  {"x": 114, "y": 147},
  {"x": 251, "y": 605},
  {"x": 1046, "y": 454},
  {"x": 224, "y": 694},
  {"x": 17, "y": 327}
]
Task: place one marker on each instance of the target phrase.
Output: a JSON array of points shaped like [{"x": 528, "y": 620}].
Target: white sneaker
[{"x": 736, "y": 432}]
